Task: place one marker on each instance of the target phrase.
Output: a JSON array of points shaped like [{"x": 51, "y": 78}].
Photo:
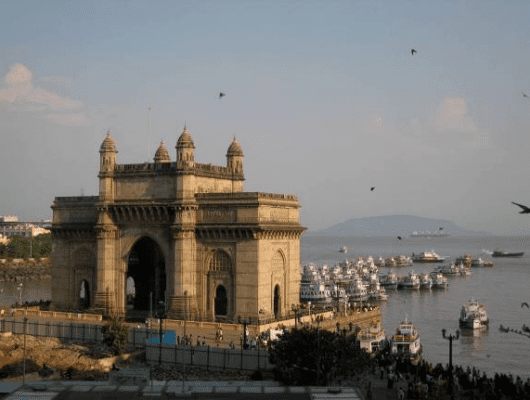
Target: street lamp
[
  {"x": 19, "y": 288},
  {"x": 450, "y": 338}
]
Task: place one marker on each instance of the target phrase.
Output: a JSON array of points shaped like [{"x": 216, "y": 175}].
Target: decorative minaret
[
  {"x": 234, "y": 163},
  {"x": 104, "y": 296},
  {"x": 185, "y": 150},
  {"x": 162, "y": 155},
  {"x": 107, "y": 163}
]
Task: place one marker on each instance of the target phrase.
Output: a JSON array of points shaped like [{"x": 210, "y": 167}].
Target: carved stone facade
[{"x": 187, "y": 235}]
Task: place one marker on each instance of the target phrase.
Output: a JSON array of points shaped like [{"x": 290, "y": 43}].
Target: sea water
[{"x": 501, "y": 289}]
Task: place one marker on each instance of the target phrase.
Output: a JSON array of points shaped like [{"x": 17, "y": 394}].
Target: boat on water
[
  {"x": 373, "y": 338},
  {"x": 426, "y": 280},
  {"x": 497, "y": 253},
  {"x": 452, "y": 270},
  {"x": 410, "y": 281},
  {"x": 427, "y": 257},
  {"x": 438, "y": 280},
  {"x": 406, "y": 340},
  {"x": 343, "y": 249},
  {"x": 389, "y": 280},
  {"x": 473, "y": 315},
  {"x": 429, "y": 234}
]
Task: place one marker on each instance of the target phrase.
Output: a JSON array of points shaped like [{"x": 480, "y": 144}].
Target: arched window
[{"x": 220, "y": 262}]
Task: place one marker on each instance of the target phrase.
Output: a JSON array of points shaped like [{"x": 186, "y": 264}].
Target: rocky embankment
[
  {"x": 50, "y": 359},
  {"x": 24, "y": 269}
]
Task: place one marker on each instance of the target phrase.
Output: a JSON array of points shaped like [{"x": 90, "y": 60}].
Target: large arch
[{"x": 147, "y": 268}]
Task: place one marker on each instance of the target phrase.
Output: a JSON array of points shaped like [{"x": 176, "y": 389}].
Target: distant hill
[{"x": 393, "y": 225}]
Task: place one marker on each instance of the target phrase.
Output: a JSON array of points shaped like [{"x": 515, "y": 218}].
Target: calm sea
[{"x": 501, "y": 289}]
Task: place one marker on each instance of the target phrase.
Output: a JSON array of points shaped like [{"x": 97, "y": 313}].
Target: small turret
[
  {"x": 107, "y": 153},
  {"x": 162, "y": 155},
  {"x": 185, "y": 149},
  {"x": 234, "y": 157},
  {"x": 107, "y": 157}
]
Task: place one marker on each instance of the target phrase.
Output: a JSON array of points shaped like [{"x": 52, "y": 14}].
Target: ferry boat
[
  {"x": 427, "y": 257},
  {"x": 406, "y": 340},
  {"x": 373, "y": 338},
  {"x": 425, "y": 281},
  {"x": 438, "y": 280},
  {"x": 356, "y": 290},
  {"x": 451, "y": 270},
  {"x": 314, "y": 291},
  {"x": 389, "y": 280},
  {"x": 410, "y": 281},
  {"x": 473, "y": 315}
]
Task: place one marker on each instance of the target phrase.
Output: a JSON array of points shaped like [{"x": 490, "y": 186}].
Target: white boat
[
  {"x": 343, "y": 249},
  {"x": 314, "y": 291},
  {"x": 406, "y": 340},
  {"x": 356, "y": 290},
  {"x": 425, "y": 281},
  {"x": 403, "y": 261},
  {"x": 389, "y": 280},
  {"x": 438, "y": 280},
  {"x": 410, "y": 281},
  {"x": 372, "y": 338},
  {"x": 473, "y": 315},
  {"x": 427, "y": 257},
  {"x": 451, "y": 270}
]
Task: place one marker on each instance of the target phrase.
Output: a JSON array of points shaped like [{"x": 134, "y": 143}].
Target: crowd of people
[{"x": 425, "y": 381}]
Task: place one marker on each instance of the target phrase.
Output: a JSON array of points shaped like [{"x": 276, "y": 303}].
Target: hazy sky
[{"x": 324, "y": 97}]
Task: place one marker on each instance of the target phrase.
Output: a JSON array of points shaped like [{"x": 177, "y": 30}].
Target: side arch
[{"x": 220, "y": 284}]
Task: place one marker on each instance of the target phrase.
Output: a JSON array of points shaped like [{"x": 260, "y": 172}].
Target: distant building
[
  {"x": 24, "y": 230},
  {"x": 8, "y": 218}
]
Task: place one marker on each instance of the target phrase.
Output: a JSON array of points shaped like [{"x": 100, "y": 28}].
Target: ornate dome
[
  {"x": 185, "y": 139},
  {"x": 108, "y": 145},
  {"x": 235, "y": 149},
  {"x": 162, "y": 155}
]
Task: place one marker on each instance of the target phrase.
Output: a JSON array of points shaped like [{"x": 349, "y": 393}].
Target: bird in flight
[
  {"x": 221, "y": 94},
  {"x": 413, "y": 51},
  {"x": 525, "y": 304},
  {"x": 525, "y": 95},
  {"x": 526, "y": 210},
  {"x": 372, "y": 188}
]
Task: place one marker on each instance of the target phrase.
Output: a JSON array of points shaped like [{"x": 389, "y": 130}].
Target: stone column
[
  {"x": 105, "y": 296},
  {"x": 182, "y": 274}
]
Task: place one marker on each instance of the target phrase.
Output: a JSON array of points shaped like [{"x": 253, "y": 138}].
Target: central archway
[{"x": 146, "y": 268}]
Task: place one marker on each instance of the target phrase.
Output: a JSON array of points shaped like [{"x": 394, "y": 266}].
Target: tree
[
  {"x": 312, "y": 356},
  {"x": 115, "y": 335}
]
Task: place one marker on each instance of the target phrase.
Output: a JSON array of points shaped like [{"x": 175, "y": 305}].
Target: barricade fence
[
  {"x": 211, "y": 358},
  {"x": 77, "y": 332}
]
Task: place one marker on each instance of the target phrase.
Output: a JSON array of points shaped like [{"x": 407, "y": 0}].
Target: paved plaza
[{"x": 69, "y": 390}]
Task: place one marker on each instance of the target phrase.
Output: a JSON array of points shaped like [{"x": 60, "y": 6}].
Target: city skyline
[{"x": 326, "y": 99}]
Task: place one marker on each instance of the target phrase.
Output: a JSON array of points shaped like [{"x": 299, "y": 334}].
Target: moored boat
[
  {"x": 389, "y": 280},
  {"x": 427, "y": 257},
  {"x": 473, "y": 315},
  {"x": 406, "y": 340},
  {"x": 372, "y": 338},
  {"x": 438, "y": 280},
  {"x": 410, "y": 281}
]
